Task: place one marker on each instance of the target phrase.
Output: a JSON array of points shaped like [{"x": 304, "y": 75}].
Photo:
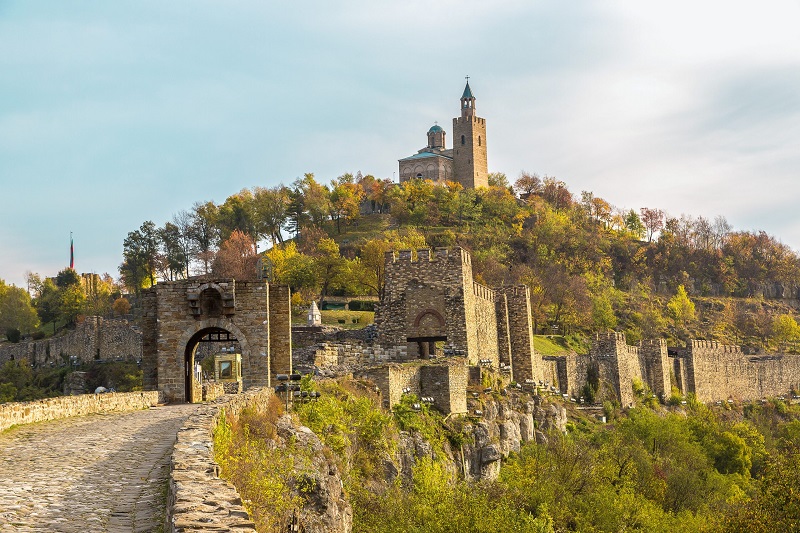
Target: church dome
[{"x": 435, "y": 129}]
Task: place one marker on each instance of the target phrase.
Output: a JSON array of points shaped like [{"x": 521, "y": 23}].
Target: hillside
[
  {"x": 517, "y": 464},
  {"x": 590, "y": 266}
]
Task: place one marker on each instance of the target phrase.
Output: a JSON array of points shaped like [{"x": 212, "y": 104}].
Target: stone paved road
[{"x": 89, "y": 474}]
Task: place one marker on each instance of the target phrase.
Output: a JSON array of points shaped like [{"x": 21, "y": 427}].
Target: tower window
[
  {"x": 479, "y": 140},
  {"x": 463, "y": 139}
]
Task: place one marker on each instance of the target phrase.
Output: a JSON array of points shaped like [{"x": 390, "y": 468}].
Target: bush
[
  {"x": 13, "y": 334},
  {"x": 361, "y": 305},
  {"x": 121, "y": 306},
  {"x": 122, "y": 376}
]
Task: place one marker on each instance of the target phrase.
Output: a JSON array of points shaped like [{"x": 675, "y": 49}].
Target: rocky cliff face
[
  {"x": 326, "y": 509},
  {"x": 502, "y": 426}
]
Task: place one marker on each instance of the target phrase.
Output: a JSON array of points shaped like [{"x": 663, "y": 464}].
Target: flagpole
[{"x": 71, "y": 252}]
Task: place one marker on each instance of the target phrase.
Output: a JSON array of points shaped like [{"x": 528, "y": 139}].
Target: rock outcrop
[
  {"x": 326, "y": 508},
  {"x": 503, "y": 426}
]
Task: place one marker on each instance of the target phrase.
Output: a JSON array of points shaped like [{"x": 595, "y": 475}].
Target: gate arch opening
[
  {"x": 428, "y": 330},
  {"x": 210, "y": 340}
]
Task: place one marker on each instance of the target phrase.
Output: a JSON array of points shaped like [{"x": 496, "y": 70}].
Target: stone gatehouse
[
  {"x": 432, "y": 307},
  {"x": 254, "y": 317}
]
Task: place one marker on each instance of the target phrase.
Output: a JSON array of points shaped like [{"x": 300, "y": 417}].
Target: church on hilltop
[{"x": 464, "y": 163}]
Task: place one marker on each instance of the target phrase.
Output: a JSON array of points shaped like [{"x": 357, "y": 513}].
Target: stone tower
[{"x": 469, "y": 145}]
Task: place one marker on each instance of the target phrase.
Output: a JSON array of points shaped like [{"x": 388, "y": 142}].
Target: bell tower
[{"x": 469, "y": 144}]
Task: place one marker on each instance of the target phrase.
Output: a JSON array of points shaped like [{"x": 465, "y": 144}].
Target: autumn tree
[
  {"x": 236, "y": 258},
  {"x": 785, "y": 330},
  {"x": 331, "y": 267},
  {"x": 237, "y": 213},
  {"x": 98, "y": 290},
  {"x": 316, "y": 199},
  {"x": 528, "y": 184},
  {"x": 681, "y": 308},
  {"x": 204, "y": 233},
  {"x": 556, "y": 193},
  {"x": 271, "y": 212},
  {"x": 173, "y": 258},
  {"x": 121, "y": 306},
  {"x": 634, "y": 224},
  {"x": 16, "y": 309},
  {"x": 345, "y": 201},
  {"x": 371, "y": 266},
  {"x": 286, "y": 265},
  {"x": 140, "y": 255},
  {"x": 653, "y": 220},
  {"x": 498, "y": 179}
]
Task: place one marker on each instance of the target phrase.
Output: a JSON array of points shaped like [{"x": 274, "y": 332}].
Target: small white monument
[{"x": 314, "y": 316}]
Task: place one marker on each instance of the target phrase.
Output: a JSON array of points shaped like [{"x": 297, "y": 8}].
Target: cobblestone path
[{"x": 94, "y": 473}]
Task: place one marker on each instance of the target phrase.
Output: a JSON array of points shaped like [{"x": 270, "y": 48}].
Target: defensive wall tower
[
  {"x": 654, "y": 366},
  {"x": 428, "y": 300},
  {"x": 515, "y": 334}
]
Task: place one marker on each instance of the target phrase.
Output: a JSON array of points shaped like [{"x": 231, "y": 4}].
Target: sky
[{"x": 114, "y": 113}]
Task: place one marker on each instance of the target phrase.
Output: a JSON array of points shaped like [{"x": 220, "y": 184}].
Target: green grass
[
  {"x": 341, "y": 318},
  {"x": 551, "y": 345},
  {"x": 347, "y": 319},
  {"x": 368, "y": 227}
]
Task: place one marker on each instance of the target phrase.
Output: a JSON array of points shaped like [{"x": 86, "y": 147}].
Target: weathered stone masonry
[
  {"x": 433, "y": 308},
  {"x": 94, "y": 338},
  {"x": 433, "y": 298},
  {"x": 179, "y": 314},
  {"x": 710, "y": 370}
]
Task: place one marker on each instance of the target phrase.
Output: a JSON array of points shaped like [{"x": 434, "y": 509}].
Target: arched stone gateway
[
  {"x": 428, "y": 329},
  {"x": 179, "y": 315}
]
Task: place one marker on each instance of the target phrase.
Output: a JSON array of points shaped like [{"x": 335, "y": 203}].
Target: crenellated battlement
[
  {"x": 512, "y": 290},
  {"x": 714, "y": 345},
  {"x": 653, "y": 343},
  {"x": 460, "y": 121},
  {"x": 455, "y": 255},
  {"x": 482, "y": 291},
  {"x": 617, "y": 336}
]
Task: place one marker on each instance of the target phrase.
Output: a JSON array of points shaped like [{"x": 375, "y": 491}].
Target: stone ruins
[{"x": 436, "y": 333}]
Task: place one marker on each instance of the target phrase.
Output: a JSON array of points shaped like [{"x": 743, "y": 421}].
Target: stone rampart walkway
[{"x": 105, "y": 472}]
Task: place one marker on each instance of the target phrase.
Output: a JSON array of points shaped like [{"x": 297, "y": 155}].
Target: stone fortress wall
[
  {"x": 94, "y": 338},
  {"x": 708, "y": 369},
  {"x": 439, "y": 314},
  {"x": 434, "y": 313},
  {"x": 446, "y": 384}
]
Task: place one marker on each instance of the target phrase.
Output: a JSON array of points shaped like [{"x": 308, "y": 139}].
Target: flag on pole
[{"x": 71, "y": 252}]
